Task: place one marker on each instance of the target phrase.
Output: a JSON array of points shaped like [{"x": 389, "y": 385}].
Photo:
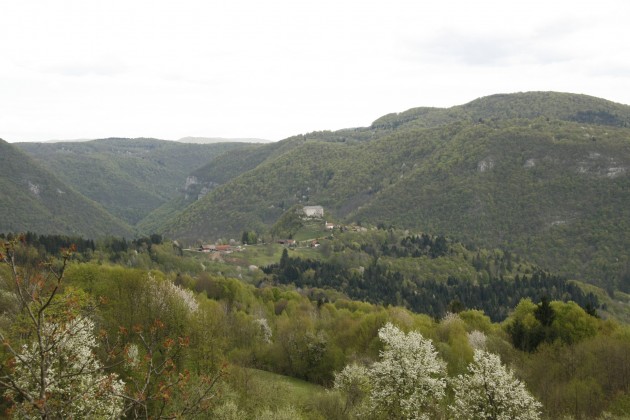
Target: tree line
[{"x": 377, "y": 284}]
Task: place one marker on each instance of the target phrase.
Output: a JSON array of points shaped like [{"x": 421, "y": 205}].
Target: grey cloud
[
  {"x": 78, "y": 69},
  {"x": 613, "y": 70},
  {"x": 559, "y": 29},
  {"x": 490, "y": 50},
  {"x": 474, "y": 50}
]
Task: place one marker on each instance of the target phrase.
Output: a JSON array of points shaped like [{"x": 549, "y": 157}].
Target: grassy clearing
[
  {"x": 616, "y": 307},
  {"x": 266, "y": 390},
  {"x": 260, "y": 255}
]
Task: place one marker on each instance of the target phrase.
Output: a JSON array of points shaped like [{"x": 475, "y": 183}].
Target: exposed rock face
[
  {"x": 191, "y": 180},
  {"x": 34, "y": 188},
  {"x": 601, "y": 166},
  {"x": 485, "y": 165},
  {"x": 196, "y": 189}
]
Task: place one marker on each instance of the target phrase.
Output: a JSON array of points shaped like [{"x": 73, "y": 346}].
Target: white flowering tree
[
  {"x": 491, "y": 392},
  {"x": 477, "y": 340},
  {"x": 265, "y": 330},
  {"x": 49, "y": 367},
  {"x": 62, "y": 366},
  {"x": 409, "y": 380},
  {"x": 48, "y": 363},
  {"x": 354, "y": 382}
]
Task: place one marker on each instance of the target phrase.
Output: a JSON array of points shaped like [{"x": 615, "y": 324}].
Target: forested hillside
[
  {"x": 32, "y": 198},
  {"x": 129, "y": 177},
  {"x": 425, "y": 274},
  {"x": 554, "y": 191},
  {"x": 234, "y": 163},
  {"x": 526, "y": 105},
  {"x": 544, "y": 174}
]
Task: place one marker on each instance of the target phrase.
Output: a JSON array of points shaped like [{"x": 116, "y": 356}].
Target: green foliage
[
  {"x": 249, "y": 238},
  {"x": 289, "y": 223},
  {"x": 543, "y": 174},
  {"x": 128, "y": 177},
  {"x": 33, "y": 199},
  {"x": 310, "y": 333},
  {"x": 530, "y": 325},
  {"x": 415, "y": 271}
]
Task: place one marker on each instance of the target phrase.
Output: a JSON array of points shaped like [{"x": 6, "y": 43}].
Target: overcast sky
[{"x": 271, "y": 69}]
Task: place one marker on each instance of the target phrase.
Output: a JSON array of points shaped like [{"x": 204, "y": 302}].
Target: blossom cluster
[
  {"x": 409, "y": 381},
  {"x": 73, "y": 379},
  {"x": 163, "y": 293}
]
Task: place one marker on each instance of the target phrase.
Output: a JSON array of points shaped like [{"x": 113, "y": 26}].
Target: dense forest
[
  {"x": 543, "y": 174},
  {"x": 496, "y": 297},
  {"x": 172, "y": 332}
]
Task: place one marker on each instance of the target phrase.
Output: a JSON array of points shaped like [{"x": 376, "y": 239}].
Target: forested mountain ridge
[
  {"x": 32, "y": 198},
  {"x": 208, "y": 140},
  {"x": 549, "y": 190},
  {"x": 129, "y": 177},
  {"x": 236, "y": 162},
  {"x": 553, "y": 105},
  {"x": 543, "y": 173}
]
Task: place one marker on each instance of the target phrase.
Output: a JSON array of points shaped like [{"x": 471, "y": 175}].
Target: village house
[
  {"x": 313, "y": 211},
  {"x": 223, "y": 248}
]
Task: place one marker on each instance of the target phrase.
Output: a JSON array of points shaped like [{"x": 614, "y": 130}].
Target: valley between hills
[{"x": 507, "y": 217}]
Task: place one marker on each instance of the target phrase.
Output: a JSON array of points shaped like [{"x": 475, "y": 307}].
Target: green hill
[
  {"x": 542, "y": 173},
  {"x": 33, "y": 199},
  {"x": 232, "y": 164},
  {"x": 552, "y": 105},
  {"x": 129, "y": 177},
  {"x": 555, "y": 191}
]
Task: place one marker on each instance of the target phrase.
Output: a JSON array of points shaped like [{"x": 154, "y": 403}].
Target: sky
[{"x": 272, "y": 69}]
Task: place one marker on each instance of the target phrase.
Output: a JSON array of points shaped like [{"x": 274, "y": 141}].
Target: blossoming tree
[
  {"x": 409, "y": 380},
  {"x": 66, "y": 369},
  {"x": 491, "y": 392},
  {"x": 50, "y": 369}
]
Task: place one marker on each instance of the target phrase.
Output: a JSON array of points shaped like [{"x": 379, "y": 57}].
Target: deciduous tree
[
  {"x": 491, "y": 392},
  {"x": 51, "y": 370},
  {"x": 409, "y": 380}
]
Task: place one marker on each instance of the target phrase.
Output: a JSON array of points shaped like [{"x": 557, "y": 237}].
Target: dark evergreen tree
[{"x": 545, "y": 313}]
